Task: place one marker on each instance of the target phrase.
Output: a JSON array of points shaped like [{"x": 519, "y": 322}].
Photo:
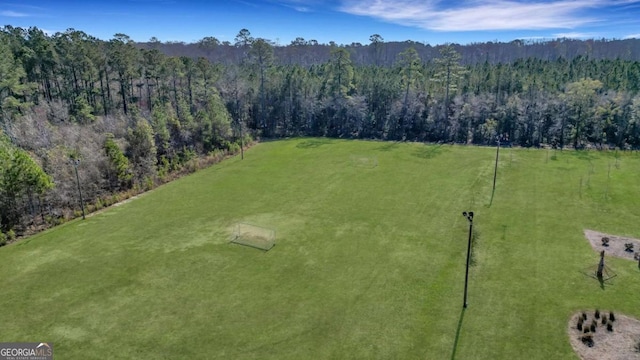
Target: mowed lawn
[{"x": 369, "y": 261}]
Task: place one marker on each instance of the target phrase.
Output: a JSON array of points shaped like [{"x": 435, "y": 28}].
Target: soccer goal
[
  {"x": 364, "y": 161},
  {"x": 254, "y": 236}
]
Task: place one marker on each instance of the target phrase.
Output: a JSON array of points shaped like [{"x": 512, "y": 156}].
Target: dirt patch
[
  {"x": 621, "y": 343},
  {"x": 615, "y": 246}
]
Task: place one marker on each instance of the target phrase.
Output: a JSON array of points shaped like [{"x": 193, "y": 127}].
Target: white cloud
[
  {"x": 49, "y": 32},
  {"x": 11, "y": 13},
  {"x": 24, "y": 6},
  {"x": 479, "y": 14},
  {"x": 632, "y": 36},
  {"x": 299, "y": 5},
  {"x": 575, "y": 35}
]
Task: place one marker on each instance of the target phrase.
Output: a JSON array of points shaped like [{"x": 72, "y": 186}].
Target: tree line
[
  {"x": 132, "y": 115},
  {"x": 128, "y": 119}
]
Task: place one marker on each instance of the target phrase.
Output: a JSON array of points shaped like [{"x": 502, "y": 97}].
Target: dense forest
[{"x": 84, "y": 118}]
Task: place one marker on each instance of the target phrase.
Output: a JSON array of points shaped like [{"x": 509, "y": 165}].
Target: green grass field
[{"x": 369, "y": 261}]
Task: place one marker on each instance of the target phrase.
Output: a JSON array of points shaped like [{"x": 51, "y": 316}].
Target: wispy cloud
[
  {"x": 299, "y": 5},
  {"x": 481, "y": 14},
  {"x": 301, "y": 8},
  {"x": 632, "y": 36},
  {"x": 24, "y": 6},
  {"x": 11, "y": 13},
  {"x": 575, "y": 35}
]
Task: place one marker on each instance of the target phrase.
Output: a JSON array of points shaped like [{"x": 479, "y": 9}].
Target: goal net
[
  {"x": 364, "y": 161},
  {"x": 254, "y": 236}
]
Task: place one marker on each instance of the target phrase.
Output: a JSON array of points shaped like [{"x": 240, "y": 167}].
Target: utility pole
[
  {"x": 495, "y": 170},
  {"x": 469, "y": 217},
  {"x": 75, "y": 163}
]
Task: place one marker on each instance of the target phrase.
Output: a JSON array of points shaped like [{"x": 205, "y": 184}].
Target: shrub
[
  {"x": 579, "y": 326},
  {"x": 587, "y": 340},
  {"x": 586, "y": 330},
  {"x": 192, "y": 166},
  {"x": 584, "y": 315},
  {"x": 592, "y": 328},
  {"x": 234, "y": 148},
  {"x": 53, "y": 221},
  {"x": 148, "y": 183},
  {"x": 3, "y": 239},
  {"x": 611, "y": 317},
  {"x": 609, "y": 326},
  {"x": 604, "y": 320},
  {"x": 217, "y": 154},
  {"x": 11, "y": 235},
  {"x": 597, "y": 314},
  {"x": 98, "y": 204}
]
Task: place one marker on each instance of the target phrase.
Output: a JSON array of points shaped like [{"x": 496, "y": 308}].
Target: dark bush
[
  {"x": 611, "y": 316},
  {"x": 597, "y": 314},
  {"x": 579, "y": 326},
  {"x": 587, "y": 340},
  {"x": 604, "y": 320},
  {"x": 609, "y": 326},
  {"x": 584, "y": 315},
  {"x": 593, "y": 328}
]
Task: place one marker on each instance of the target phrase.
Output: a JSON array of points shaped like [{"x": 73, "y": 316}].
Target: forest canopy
[{"x": 128, "y": 115}]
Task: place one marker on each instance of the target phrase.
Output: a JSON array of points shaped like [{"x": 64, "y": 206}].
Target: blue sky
[{"x": 342, "y": 21}]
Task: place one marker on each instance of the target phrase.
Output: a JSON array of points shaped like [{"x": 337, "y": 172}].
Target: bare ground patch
[
  {"x": 615, "y": 246},
  {"x": 621, "y": 343}
]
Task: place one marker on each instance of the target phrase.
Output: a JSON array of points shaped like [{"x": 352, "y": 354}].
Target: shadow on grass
[
  {"x": 605, "y": 280},
  {"x": 313, "y": 143},
  {"x": 493, "y": 192},
  {"x": 584, "y": 154},
  {"x": 429, "y": 151},
  {"x": 388, "y": 146},
  {"x": 455, "y": 342}
]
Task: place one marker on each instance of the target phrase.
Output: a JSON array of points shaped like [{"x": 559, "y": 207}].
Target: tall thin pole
[
  {"x": 495, "y": 171},
  {"x": 466, "y": 274},
  {"x": 75, "y": 165},
  {"x": 241, "y": 142}
]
